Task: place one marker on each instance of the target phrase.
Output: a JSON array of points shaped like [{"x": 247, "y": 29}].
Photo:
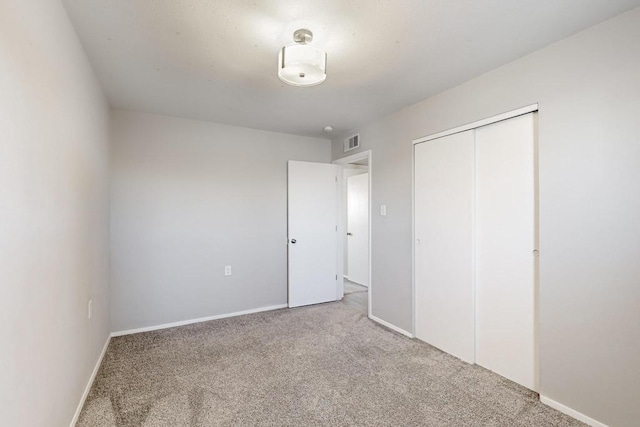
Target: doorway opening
[{"x": 354, "y": 228}]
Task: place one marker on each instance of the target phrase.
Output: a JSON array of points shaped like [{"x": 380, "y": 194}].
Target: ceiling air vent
[{"x": 352, "y": 143}]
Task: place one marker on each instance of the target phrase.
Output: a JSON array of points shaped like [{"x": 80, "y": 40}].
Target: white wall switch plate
[
  {"x": 227, "y": 270},
  {"x": 383, "y": 210}
]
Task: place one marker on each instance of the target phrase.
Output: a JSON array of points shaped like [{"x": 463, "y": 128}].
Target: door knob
[
  {"x": 293, "y": 241},
  {"x": 349, "y": 234}
]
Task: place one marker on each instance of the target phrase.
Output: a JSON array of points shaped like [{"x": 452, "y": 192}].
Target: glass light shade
[{"x": 302, "y": 65}]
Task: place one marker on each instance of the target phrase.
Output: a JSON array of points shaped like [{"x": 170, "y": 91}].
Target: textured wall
[
  {"x": 188, "y": 198},
  {"x": 588, "y": 91},
  {"x": 54, "y": 216}
]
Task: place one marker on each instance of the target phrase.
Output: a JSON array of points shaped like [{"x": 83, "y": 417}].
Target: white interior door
[
  {"x": 444, "y": 250},
  {"x": 358, "y": 229},
  {"x": 312, "y": 229},
  {"x": 505, "y": 241}
]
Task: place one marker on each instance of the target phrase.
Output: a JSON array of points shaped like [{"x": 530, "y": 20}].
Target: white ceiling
[{"x": 217, "y": 59}]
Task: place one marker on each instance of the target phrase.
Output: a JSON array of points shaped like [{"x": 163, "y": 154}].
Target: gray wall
[
  {"x": 54, "y": 216},
  {"x": 188, "y": 198},
  {"x": 588, "y": 90}
]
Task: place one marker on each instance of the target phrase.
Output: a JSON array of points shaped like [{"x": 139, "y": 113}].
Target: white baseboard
[
  {"x": 90, "y": 383},
  {"x": 358, "y": 283},
  {"x": 390, "y": 326},
  {"x": 201, "y": 319},
  {"x": 571, "y": 412}
]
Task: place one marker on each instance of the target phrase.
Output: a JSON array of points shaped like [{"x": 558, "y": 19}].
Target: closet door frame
[
  {"x": 474, "y": 125},
  {"x": 471, "y": 126}
]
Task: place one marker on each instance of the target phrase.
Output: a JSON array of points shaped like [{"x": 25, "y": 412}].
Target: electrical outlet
[
  {"x": 90, "y": 308},
  {"x": 383, "y": 210},
  {"x": 227, "y": 270}
]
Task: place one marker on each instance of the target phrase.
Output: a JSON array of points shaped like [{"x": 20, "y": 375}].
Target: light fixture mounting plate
[{"x": 303, "y": 36}]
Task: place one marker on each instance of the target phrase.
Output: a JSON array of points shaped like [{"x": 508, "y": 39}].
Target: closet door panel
[
  {"x": 444, "y": 314},
  {"x": 505, "y": 240}
]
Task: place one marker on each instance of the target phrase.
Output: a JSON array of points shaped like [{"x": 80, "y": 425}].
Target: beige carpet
[{"x": 314, "y": 366}]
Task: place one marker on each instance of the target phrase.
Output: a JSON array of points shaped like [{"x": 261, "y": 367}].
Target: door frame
[{"x": 363, "y": 155}]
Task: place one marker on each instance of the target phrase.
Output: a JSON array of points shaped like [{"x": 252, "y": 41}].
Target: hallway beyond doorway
[{"x": 356, "y": 296}]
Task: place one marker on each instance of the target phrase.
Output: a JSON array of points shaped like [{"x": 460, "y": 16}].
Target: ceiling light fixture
[{"x": 301, "y": 64}]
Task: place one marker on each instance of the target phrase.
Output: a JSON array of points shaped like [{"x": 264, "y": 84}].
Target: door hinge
[
  {"x": 336, "y": 228},
  {"x": 336, "y": 178},
  {"x": 336, "y": 277}
]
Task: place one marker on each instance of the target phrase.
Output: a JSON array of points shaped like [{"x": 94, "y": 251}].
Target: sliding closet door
[
  {"x": 505, "y": 241},
  {"x": 443, "y": 247}
]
